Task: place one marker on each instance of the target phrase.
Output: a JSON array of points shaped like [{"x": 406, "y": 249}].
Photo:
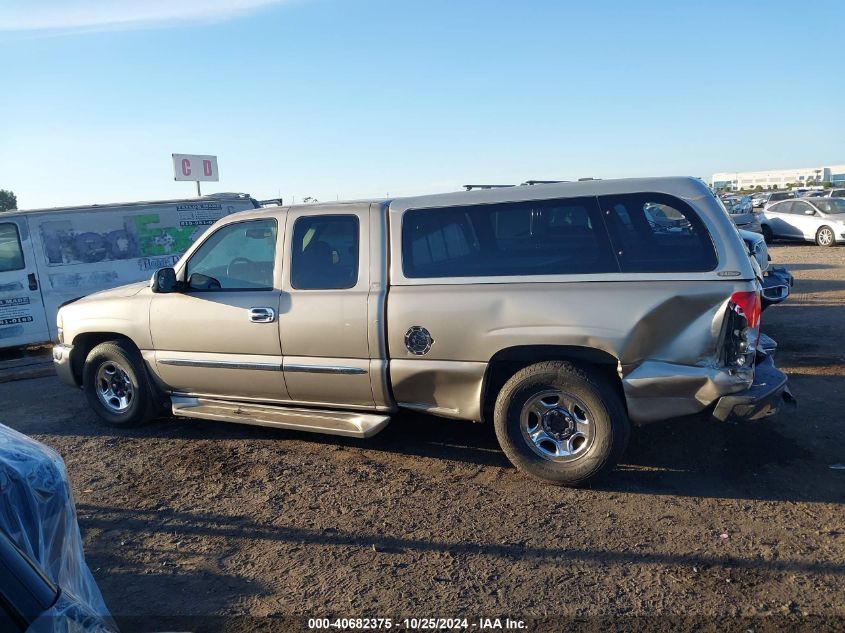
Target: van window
[
  {"x": 238, "y": 256},
  {"x": 324, "y": 253},
  {"x": 554, "y": 237},
  {"x": 657, "y": 233},
  {"x": 11, "y": 253}
]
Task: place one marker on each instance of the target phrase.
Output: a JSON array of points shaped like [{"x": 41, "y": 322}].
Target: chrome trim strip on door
[
  {"x": 325, "y": 369},
  {"x": 220, "y": 364}
]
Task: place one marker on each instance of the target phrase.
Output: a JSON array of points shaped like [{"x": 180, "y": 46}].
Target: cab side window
[
  {"x": 657, "y": 233},
  {"x": 324, "y": 252},
  {"x": 238, "y": 256},
  {"x": 11, "y": 253}
]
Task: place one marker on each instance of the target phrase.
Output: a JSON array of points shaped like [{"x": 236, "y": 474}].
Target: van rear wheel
[
  {"x": 560, "y": 423},
  {"x": 116, "y": 385}
]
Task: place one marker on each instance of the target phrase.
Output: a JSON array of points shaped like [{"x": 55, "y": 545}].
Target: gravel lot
[{"x": 429, "y": 519}]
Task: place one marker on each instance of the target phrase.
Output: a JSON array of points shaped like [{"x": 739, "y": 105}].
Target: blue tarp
[{"x": 37, "y": 512}]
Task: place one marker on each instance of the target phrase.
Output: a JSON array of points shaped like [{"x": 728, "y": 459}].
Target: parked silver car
[
  {"x": 819, "y": 220},
  {"x": 765, "y": 199},
  {"x": 776, "y": 280},
  {"x": 743, "y": 214}
]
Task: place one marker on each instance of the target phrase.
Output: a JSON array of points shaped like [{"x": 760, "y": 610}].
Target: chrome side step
[{"x": 347, "y": 423}]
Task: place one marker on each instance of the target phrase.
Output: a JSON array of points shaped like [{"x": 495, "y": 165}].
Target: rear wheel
[
  {"x": 767, "y": 233},
  {"x": 560, "y": 423},
  {"x": 825, "y": 236},
  {"x": 116, "y": 385}
]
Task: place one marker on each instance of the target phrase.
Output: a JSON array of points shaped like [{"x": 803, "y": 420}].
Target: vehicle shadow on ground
[
  {"x": 688, "y": 457},
  {"x": 186, "y": 524},
  {"x": 127, "y": 587}
]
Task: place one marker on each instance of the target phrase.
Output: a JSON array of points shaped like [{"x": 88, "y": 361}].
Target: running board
[{"x": 347, "y": 423}]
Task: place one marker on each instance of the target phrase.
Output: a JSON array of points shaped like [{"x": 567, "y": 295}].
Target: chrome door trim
[
  {"x": 220, "y": 364},
  {"x": 325, "y": 369}
]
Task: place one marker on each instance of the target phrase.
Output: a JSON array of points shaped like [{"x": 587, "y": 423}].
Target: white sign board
[{"x": 195, "y": 168}]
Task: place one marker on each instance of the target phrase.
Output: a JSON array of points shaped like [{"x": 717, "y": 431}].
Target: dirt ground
[{"x": 428, "y": 519}]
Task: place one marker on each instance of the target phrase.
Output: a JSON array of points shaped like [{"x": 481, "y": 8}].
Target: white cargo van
[{"x": 51, "y": 256}]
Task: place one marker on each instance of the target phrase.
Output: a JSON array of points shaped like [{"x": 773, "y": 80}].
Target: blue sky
[{"x": 359, "y": 98}]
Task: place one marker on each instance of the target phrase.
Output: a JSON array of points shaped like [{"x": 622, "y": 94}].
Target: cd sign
[{"x": 195, "y": 167}]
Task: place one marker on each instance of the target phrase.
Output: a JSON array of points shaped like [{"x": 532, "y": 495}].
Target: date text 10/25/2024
[{"x": 413, "y": 624}]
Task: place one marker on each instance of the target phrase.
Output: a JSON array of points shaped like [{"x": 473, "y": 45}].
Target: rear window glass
[
  {"x": 657, "y": 233},
  {"x": 517, "y": 238}
]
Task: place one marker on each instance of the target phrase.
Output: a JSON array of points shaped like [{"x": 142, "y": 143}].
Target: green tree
[
  {"x": 8, "y": 200},
  {"x": 827, "y": 184}
]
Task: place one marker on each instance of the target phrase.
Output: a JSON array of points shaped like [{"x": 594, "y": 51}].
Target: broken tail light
[{"x": 744, "y": 311}]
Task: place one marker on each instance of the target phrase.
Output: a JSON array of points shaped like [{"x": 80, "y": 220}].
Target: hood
[{"x": 128, "y": 290}]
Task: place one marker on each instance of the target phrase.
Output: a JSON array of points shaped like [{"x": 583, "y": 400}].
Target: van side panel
[
  {"x": 86, "y": 250},
  {"x": 658, "y": 331}
]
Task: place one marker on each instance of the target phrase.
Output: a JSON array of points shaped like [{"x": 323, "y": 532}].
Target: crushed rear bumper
[{"x": 768, "y": 394}]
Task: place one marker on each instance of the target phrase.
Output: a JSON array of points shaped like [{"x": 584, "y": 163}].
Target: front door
[
  {"x": 220, "y": 335},
  {"x": 806, "y": 219},
  {"x": 22, "y": 317},
  {"x": 323, "y": 317}
]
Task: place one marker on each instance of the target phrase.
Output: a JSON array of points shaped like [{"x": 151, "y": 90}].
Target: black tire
[
  {"x": 821, "y": 235},
  {"x": 601, "y": 402},
  {"x": 767, "y": 233},
  {"x": 120, "y": 360}
]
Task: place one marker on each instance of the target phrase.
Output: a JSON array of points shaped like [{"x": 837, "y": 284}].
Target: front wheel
[
  {"x": 561, "y": 424},
  {"x": 116, "y": 385},
  {"x": 825, "y": 236},
  {"x": 768, "y": 236}
]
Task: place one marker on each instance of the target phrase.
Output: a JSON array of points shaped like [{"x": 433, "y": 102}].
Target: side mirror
[
  {"x": 198, "y": 281},
  {"x": 809, "y": 212},
  {"x": 164, "y": 281}
]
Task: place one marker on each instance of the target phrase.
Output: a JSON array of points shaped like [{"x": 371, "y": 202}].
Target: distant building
[{"x": 778, "y": 178}]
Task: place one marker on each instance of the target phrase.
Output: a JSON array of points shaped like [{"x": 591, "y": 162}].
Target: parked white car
[{"x": 819, "y": 220}]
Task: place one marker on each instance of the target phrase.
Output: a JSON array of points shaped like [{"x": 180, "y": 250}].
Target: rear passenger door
[
  {"x": 783, "y": 219},
  {"x": 323, "y": 313}
]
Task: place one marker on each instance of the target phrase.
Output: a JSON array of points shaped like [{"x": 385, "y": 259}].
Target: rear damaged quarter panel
[{"x": 665, "y": 334}]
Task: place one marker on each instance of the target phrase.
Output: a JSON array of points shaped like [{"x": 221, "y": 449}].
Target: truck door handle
[
  {"x": 262, "y": 315},
  {"x": 33, "y": 281}
]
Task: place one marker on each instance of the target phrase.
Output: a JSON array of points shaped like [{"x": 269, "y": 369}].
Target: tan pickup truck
[{"x": 562, "y": 313}]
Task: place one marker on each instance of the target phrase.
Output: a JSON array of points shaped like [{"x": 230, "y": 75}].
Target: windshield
[{"x": 831, "y": 205}]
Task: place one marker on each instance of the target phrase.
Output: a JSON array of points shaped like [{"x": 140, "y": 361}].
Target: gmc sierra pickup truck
[{"x": 562, "y": 313}]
